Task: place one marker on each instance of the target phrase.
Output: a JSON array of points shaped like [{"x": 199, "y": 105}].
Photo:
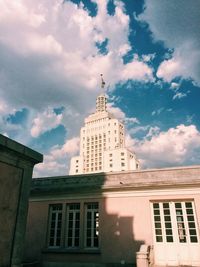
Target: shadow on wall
[{"x": 118, "y": 246}]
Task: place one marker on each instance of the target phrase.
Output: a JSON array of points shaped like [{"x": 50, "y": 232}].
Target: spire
[
  {"x": 101, "y": 99},
  {"x": 102, "y": 81}
]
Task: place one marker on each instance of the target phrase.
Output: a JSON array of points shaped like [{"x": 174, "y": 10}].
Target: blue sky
[{"x": 51, "y": 57}]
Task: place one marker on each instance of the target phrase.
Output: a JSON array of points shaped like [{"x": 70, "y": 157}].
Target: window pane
[
  {"x": 189, "y": 211},
  {"x": 159, "y": 238},
  {"x": 190, "y": 218},
  {"x": 193, "y": 239},
  {"x": 156, "y": 212},
  {"x": 158, "y": 232},
  {"x": 155, "y": 205},
  {"x": 92, "y": 224},
  {"x": 157, "y": 225},
  {"x": 192, "y": 231},
  {"x": 178, "y": 205},
  {"x": 73, "y": 224},
  {"x": 55, "y": 224},
  {"x": 169, "y": 238},
  {"x": 157, "y": 218},
  {"x": 188, "y": 204},
  {"x": 165, "y": 205},
  {"x": 191, "y": 225}
]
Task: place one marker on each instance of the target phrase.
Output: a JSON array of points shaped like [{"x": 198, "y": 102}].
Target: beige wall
[{"x": 125, "y": 224}]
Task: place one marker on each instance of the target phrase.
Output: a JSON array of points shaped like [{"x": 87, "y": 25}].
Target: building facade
[
  {"x": 102, "y": 144},
  {"x": 101, "y": 220},
  {"x": 16, "y": 166}
]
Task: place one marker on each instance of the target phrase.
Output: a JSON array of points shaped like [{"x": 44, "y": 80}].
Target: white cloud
[
  {"x": 174, "y": 86},
  {"x": 169, "y": 69},
  {"x": 179, "y": 95},
  {"x": 46, "y": 121},
  {"x": 177, "y": 25},
  {"x": 157, "y": 112},
  {"x": 119, "y": 114},
  {"x": 137, "y": 70},
  {"x": 55, "y": 162},
  {"x": 177, "y": 146},
  {"x": 43, "y": 48},
  {"x": 148, "y": 57},
  {"x": 50, "y": 167},
  {"x": 3, "y": 107},
  {"x": 70, "y": 147}
]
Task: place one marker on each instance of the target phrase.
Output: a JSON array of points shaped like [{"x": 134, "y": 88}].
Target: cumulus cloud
[
  {"x": 179, "y": 95},
  {"x": 49, "y": 58},
  {"x": 38, "y": 44},
  {"x": 55, "y": 162},
  {"x": 177, "y": 146},
  {"x": 177, "y": 25},
  {"x": 119, "y": 114},
  {"x": 46, "y": 121}
]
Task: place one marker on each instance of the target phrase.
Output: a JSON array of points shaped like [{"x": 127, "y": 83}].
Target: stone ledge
[{"x": 6, "y": 144}]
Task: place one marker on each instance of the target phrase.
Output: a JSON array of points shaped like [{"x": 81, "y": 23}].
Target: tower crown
[
  {"x": 101, "y": 103},
  {"x": 101, "y": 99}
]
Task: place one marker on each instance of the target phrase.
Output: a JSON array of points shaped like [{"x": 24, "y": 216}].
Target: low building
[{"x": 103, "y": 219}]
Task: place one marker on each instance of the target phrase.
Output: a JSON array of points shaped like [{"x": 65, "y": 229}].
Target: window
[
  {"x": 180, "y": 228},
  {"x": 73, "y": 225},
  {"x": 92, "y": 225},
  {"x": 77, "y": 229},
  {"x": 55, "y": 224},
  {"x": 111, "y": 165},
  {"x": 122, "y": 164}
]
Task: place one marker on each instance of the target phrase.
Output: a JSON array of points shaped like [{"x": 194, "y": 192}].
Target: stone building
[
  {"x": 104, "y": 219},
  {"x": 16, "y": 166},
  {"x": 102, "y": 144}
]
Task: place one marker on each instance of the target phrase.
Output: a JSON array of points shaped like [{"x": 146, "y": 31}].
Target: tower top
[
  {"x": 101, "y": 99},
  {"x": 102, "y": 81}
]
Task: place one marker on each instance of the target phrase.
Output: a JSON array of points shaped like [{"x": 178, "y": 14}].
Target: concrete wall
[
  {"x": 125, "y": 218},
  {"x": 16, "y": 165}
]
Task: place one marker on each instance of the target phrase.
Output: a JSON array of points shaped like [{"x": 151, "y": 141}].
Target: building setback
[
  {"x": 104, "y": 219},
  {"x": 102, "y": 144}
]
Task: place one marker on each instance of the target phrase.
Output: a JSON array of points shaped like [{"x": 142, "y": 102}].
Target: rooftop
[
  {"x": 8, "y": 145},
  {"x": 132, "y": 180}
]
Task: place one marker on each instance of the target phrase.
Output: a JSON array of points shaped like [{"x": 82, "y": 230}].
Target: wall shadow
[{"x": 118, "y": 245}]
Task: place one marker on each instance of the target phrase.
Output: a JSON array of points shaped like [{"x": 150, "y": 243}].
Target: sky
[{"x": 53, "y": 52}]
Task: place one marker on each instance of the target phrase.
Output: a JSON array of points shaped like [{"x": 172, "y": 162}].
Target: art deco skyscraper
[{"x": 102, "y": 144}]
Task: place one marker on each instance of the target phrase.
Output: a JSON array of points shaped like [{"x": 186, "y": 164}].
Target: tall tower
[{"x": 102, "y": 143}]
